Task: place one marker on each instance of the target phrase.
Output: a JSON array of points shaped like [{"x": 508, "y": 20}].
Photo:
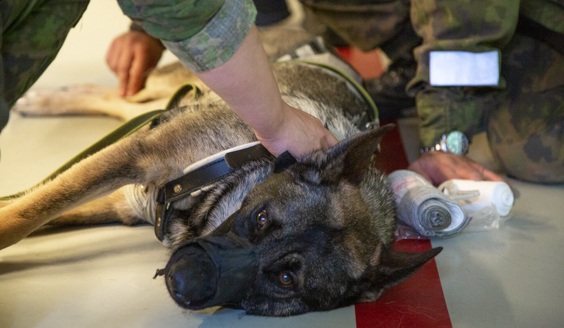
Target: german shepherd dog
[{"x": 274, "y": 238}]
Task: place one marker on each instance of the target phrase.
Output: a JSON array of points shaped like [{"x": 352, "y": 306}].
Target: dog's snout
[
  {"x": 211, "y": 271},
  {"x": 191, "y": 280}
]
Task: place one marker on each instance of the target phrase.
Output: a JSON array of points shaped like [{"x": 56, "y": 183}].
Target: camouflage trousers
[
  {"x": 33, "y": 32},
  {"x": 524, "y": 122},
  {"x": 526, "y": 128}
]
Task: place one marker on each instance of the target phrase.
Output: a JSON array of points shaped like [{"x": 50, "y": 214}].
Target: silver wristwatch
[{"x": 454, "y": 142}]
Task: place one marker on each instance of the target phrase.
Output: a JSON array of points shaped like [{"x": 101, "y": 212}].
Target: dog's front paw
[
  {"x": 76, "y": 99},
  {"x": 34, "y": 103}
]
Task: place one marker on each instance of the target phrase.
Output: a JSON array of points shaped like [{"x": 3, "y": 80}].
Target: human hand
[
  {"x": 246, "y": 83},
  {"x": 299, "y": 133},
  {"x": 438, "y": 167},
  {"x": 131, "y": 56}
]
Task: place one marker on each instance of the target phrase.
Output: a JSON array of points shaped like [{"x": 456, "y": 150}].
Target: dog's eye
[
  {"x": 285, "y": 279},
  {"x": 262, "y": 218}
]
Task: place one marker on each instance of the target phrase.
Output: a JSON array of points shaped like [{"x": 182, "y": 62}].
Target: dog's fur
[{"x": 331, "y": 215}]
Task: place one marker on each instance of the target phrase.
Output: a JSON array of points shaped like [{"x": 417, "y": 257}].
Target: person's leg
[
  {"x": 371, "y": 24},
  {"x": 526, "y": 133},
  {"x": 30, "y": 43},
  {"x": 365, "y": 24}
]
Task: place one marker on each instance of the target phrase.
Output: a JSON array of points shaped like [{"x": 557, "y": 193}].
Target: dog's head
[{"x": 314, "y": 237}]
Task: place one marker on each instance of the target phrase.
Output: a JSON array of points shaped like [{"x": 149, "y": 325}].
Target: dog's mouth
[{"x": 211, "y": 271}]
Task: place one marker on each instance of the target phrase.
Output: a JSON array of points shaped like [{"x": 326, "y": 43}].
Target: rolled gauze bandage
[
  {"x": 424, "y": 208},
  {"x": 490, "y": 192}
]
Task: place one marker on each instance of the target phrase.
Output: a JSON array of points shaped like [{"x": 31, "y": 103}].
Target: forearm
[
  {"x": 443, "y": 110},
  {"x": 247, "y": 84},
  {"x": 475, "y": 28},
  {"x": 223, "y": 50},
  {"x": 227, "y": 55}
]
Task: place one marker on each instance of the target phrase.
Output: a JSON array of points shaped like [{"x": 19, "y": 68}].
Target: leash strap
[{"x": 121, "y": 132}]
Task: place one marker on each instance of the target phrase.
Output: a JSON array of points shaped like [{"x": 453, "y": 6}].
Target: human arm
[
  {"x": 131, "y": 56},
  {"x": 226, "y": 54},
  {"x": 475, "y": 27},
  {"x": 251, "y": 91}
]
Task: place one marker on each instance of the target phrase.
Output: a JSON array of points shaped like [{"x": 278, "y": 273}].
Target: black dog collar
[{"x": 206, "y": 174}]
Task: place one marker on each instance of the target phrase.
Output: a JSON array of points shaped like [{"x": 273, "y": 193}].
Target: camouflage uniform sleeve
[
  {"x": 457, "y": 25},
  {"x": 202, "y": 34},
  {"x": 547, "y": 12}
]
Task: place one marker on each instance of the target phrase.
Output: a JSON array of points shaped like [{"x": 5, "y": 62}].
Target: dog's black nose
[{"x": 192, "y": 279}]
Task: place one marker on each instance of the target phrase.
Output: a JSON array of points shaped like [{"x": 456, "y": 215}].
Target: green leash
[{"x": 126, "y": 129}]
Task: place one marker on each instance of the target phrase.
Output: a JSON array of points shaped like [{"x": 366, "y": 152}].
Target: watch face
[{"x": 457, "y": 143}]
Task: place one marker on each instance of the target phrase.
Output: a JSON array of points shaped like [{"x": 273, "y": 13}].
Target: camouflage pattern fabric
[
  {"x": 171, "y": 20},
  {"x": 365, "y": 24},
  {"x": 477, "y": 26},
  {"x": 203, "y": 34},
  {"x": 546, "y": 12},
  {"x": 526, "y": 130},
  {"x": 523, "y": 114},
  {"x": 207, "y": 44},
  {"x": 32, "y": 34}
]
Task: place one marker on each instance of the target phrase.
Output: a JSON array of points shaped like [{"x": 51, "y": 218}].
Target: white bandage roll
[
  {"x": 491, "y": 192},
  {"x": 423, "y": 207}
]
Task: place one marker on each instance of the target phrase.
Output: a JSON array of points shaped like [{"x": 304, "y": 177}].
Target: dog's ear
[
  {"x": 388, "y": 268},
  {"x": 351, "y": 158}
]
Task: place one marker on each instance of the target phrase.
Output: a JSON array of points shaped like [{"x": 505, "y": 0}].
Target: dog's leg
[
  {"x": 113, "y": 208},
  {"x": 86, "y": 99},
  {"x": 91, "y": 178},
  {"x": 4, "y": 203},
  {"x": 150, "y": 157}
]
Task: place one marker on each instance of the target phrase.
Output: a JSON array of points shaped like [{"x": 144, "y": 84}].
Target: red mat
[{"x": 419, "y": 301}]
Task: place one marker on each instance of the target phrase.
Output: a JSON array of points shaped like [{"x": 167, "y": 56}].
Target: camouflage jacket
[
  {"x": 202, "y": 34},
  {"x": 473, "y": 26}
]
